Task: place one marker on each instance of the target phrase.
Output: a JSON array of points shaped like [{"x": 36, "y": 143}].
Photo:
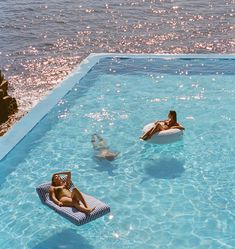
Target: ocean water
[
  {"x": 41, "y": 41},
  {"x": 180, "y": 195}
]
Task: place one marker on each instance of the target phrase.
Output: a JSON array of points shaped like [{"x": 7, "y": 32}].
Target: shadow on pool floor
[
  {"x": 163, "y": 168},
  {"x": 67, "y": 238}
]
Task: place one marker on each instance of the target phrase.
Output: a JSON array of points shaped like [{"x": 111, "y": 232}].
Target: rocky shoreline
[
  {"x": 8, "y": 107},
  {"x": 38, "y": 82}
]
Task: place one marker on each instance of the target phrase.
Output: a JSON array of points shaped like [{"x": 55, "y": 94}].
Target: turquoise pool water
[{"x": 180, "y": 195}]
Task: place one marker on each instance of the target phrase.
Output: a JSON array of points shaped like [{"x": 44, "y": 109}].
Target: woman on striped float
[
  {"x": 158, "y": 126},
  {"x": 61, "y": 195}
]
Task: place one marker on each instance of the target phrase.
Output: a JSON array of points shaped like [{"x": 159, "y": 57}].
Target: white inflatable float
[{"x": 164, "y": 137}]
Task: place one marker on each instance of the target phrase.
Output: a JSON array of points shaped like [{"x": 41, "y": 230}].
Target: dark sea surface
[{"x": 42, "y": 41}]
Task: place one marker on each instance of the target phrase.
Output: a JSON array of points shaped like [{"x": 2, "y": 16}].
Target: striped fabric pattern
[{"x": 72, "y": 214}]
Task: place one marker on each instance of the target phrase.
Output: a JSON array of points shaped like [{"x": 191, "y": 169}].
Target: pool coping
[{"x": 21, "y": 128}]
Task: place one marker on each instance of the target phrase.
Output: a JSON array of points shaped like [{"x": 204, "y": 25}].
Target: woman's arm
[
  {"x": 162, "y": 121},
  {"x": 62, "y": 173},
  {"x": 53, "y": 197},
  {"x": 178, "y": 127},
  {"x": 68, "y": 178}
]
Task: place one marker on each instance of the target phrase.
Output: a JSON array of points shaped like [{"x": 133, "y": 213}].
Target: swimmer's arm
[
  {"x": 53, "y": 197},
  {"x": 93, "y": 140},
  {"x": 99, "y": 137},
  {"x": 102, "y": 142}
]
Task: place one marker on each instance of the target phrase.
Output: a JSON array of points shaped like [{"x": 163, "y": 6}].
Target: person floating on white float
[{"x": 158, "y": 126}]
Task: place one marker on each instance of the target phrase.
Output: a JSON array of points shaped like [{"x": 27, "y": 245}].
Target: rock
[
  {"x": 3, "y": 108},
  {"x": 4, "y": 87},
  {"x": 1, "y": 94},
  {"x": 8, "y": 105},
  {"x": 11, "y": 105},
  {"x": 1, "y": 77}
]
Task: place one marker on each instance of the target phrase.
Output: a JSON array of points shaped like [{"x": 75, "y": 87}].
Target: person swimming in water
[
  {"x": 100, "y": 145},
  {"x": 61, "y": 195},
  {"x": 170, "y": 123}
]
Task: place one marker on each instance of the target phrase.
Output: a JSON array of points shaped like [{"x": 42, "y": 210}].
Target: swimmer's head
[{"x": 110, "y": 157}]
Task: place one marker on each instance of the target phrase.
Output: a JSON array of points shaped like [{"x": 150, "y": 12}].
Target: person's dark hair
[
  {"x": 173, "y": 113},
  {"x": 52, "y": 180}
]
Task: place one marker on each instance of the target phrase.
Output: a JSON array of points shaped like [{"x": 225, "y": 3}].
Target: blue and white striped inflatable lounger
[{"x": 72, "y": 214}]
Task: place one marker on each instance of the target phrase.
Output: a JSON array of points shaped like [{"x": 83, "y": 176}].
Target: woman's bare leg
[
  {"x": 146, "y": 134},
  {"x": 69, "y": 202},
  {"x": 157, "y": 128},
  {"x": 83, "y": 209},
  {"x": 153, "y": 130},
  {"x": 77, "y": 196}
]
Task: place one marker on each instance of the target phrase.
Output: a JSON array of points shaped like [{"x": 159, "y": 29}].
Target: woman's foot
[
  {"x": 89, "y": 210},
  {"x": 144, "y": 138}
]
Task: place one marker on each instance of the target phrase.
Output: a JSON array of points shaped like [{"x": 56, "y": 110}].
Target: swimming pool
[{"x": 180, "y": 195}]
